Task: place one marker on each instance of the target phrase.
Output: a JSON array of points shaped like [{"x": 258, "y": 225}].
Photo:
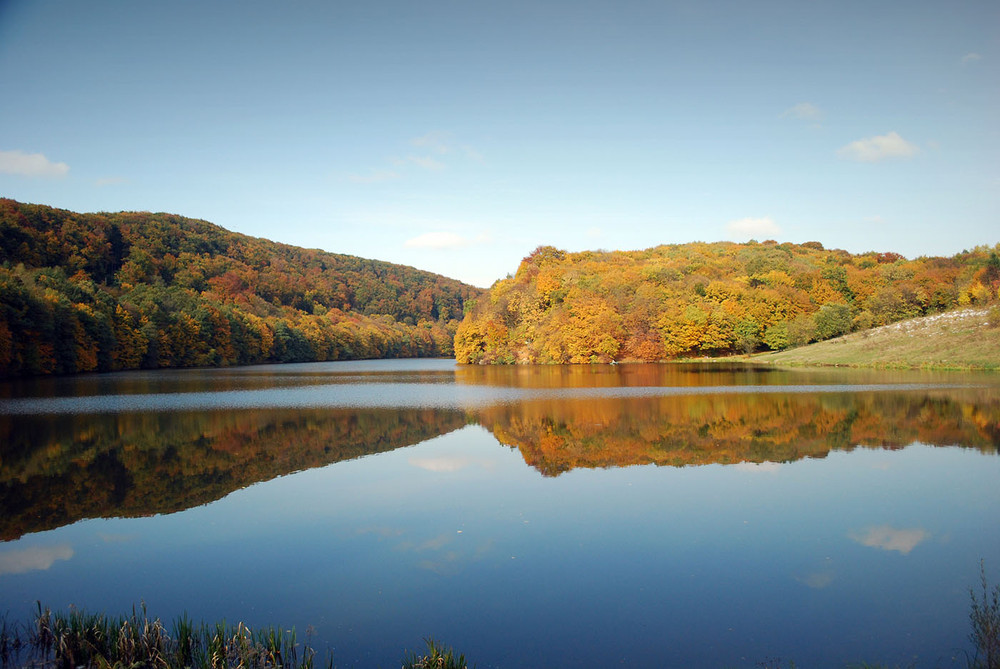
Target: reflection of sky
[{"x": 459, "y": 539}]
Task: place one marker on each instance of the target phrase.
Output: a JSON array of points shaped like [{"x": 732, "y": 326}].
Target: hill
[
  {"x": 702, "y": 299},
  {"x": 963, "y": 339},
  {"x": 109, "y": 291}
]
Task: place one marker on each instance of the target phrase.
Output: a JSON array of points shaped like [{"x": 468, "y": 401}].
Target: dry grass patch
[{"x": 964, "y": 339}]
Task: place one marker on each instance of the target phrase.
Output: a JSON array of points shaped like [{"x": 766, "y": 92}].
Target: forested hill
[
  {"x": 95, "y": 292},
  {"x": 708, "y": 299}
]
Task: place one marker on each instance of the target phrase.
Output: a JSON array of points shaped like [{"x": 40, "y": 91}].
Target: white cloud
[
  {"x": 436, "y": 240},
  {"x": 890, "y": 539},
  {"x": 33, "y": 559},
  {"x": 31, "y": 165},
  {"x": 375, "y": 176},
  {"x": 879, "y": 147},
  {"x": 746, "y": 228},
  {"x": 971, "y": 58},
  {"x": 806, "y": 111}
]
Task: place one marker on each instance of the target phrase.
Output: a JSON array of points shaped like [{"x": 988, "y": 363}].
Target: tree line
[
  {"x": 700, "y": 299},
  {"x": 112, "y": 291}
]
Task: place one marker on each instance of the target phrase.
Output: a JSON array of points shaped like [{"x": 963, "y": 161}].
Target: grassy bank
[{"x": 964, "y": 339}]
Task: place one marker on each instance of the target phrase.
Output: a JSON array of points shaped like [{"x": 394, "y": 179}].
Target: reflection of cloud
[
  {"x": 435, "y": 544},
  {"x": 766, "y": 467},
  {"x": 444, "y": 463},
  {"x": 447, "y": 553},
  {"x": 890, "y": 539},
  {"x": 816, "y": 580},
  {"x": 380, "y": 531},
  {"x": 36, "y": 558},
  {"x": 449, "y": 463},
  {"x": 115, "y": 538}
]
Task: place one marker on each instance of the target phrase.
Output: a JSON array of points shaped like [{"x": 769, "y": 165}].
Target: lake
[{"x": 637, "y": 515}]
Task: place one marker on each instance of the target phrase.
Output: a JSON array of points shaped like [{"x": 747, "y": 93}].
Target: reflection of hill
[
  {"x": 558, "y": 435},
  {"x": 59, "y": 469}
]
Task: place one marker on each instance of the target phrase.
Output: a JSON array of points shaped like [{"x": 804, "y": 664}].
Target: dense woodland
[
  {"x": 708, "y": 299},
  {"x": 99, "y": 292}
]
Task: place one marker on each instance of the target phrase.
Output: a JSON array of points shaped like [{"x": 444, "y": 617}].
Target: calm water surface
[{"x": 640, "y": 515}]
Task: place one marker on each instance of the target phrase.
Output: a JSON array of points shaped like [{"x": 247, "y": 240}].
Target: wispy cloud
[
  {"x": 37, "y": 558},
  {"x": 110, "y": 181},
  {"x": 878, "y": 148},
  {"x": 746, "y": 228},
  {"x": 806, "y": 111},
  {"x": 426, "y": 162},
  {"x": 443, "y": 143},
  {"x": 31, "y": 165},
  {"x": 438, "y": 142},
  {"x": 374, "y": 177},
  {"x": 440, "y": 239},
  {"x": 971, "y": 58},
  {"x": 889, "y": 538},
  {"x": 437, "y": 240},
  {"x": 438, "y": 150}
]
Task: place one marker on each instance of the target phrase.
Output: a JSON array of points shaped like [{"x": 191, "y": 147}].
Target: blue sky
[{"x": 458, "y": 136}]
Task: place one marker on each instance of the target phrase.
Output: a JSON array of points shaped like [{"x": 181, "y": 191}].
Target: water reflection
[
  {"x": 889, "y": 538},
  {"x": 59, "y": 468},
  {"x": 559, "y": 435}
]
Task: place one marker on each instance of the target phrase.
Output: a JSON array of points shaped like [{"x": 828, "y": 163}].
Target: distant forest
[
  {"x": 704, "y": 299},
  {"x": 112, "y": 291}
]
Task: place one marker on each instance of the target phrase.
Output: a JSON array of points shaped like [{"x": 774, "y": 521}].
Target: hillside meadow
[{"x": 961, "y": 339}]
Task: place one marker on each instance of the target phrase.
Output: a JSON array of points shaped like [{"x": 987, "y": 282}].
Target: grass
[
  {"x": 438, "y": 657},
  {"x": 985, "y": 620},
  {"x": 965, "y": 339},
  {"x": 95, "y": 641}
]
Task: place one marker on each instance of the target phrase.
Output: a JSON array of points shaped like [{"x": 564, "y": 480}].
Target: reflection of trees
[
  {"x": 555, "y": 436},
  {"x": 59, "y": 469}
]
